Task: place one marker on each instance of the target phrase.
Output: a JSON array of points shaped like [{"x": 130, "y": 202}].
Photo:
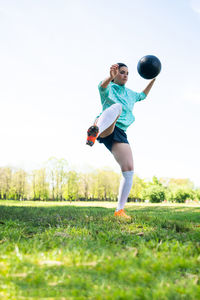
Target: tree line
[{"x": 57, "y": 182}]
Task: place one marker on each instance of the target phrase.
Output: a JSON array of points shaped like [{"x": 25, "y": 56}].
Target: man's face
[{"x": 122, "y": 76}]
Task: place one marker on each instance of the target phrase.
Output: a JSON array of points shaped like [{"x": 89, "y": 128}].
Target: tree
[
  {"x": 107, "y": 184},
  {"x": 5, "y": 182},
  {"x": 186, "y": 183},
  {"x": 180, "y": 195},
  {"x": 197, "y": 194},
  {"x": 71, "y": 191},
  {"x": 40, "y": 186},
  {"x": 57, "y": 175},
  {"x": 19, "y": 185},
  {"x": 154, "y": 193},
  {"x": 85, "y": 184},
  {"x": 137, "y": 188}
]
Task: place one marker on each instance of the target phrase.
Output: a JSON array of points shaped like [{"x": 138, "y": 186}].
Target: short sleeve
[
  {"x": 104, "y": 91},
  {"x": 141, "y": 96}
]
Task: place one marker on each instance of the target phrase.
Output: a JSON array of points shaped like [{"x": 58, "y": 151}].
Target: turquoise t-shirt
[{"x": 115, "y": 93}]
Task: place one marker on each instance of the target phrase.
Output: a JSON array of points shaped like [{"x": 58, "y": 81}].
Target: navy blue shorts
[{"x": 118, "y": 135}]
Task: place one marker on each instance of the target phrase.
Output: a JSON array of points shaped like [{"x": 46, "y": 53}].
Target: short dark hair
[{"x": 122, "y": 65}]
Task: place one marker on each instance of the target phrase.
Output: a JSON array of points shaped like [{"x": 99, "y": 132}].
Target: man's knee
[
  {"x": 118, "y": 108},
  {"x": 127, "y": 167}
]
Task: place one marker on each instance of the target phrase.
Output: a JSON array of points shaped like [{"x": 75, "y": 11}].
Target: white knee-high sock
[
  {"x": 124, "y": 188},
  {"x": 108, "y": 117}
]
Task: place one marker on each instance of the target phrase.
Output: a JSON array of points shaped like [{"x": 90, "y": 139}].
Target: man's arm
[
  {"x": 114, "y": 70},
  {"x": 149, "y": 86}
]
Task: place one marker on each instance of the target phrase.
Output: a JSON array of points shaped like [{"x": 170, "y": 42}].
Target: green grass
[{"x": 80, "y": 251}]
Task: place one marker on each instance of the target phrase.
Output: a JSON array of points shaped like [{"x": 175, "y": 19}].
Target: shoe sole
[{"x": 92, "y": 131}]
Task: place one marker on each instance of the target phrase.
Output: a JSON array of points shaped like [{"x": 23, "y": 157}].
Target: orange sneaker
[
  {"x": 92, "y": 134},
  {"x": 121, "y": 213}
]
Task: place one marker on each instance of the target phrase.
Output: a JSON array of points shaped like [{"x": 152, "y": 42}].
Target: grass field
[{"x": 80, "y": 251}]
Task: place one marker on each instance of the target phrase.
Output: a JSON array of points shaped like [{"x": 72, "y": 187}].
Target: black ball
[{"x": 149, "y": 66}]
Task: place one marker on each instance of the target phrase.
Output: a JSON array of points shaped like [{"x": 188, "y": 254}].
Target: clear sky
[{"x": 53, "y": 54}]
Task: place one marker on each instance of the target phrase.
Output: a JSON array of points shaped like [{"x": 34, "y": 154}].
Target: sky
[{"x": 53, "y": 54}]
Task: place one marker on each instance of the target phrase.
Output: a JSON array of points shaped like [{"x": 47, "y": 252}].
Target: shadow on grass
[
  {"x": 35, "y": 220},
  {"x": 51, "y": 216}
]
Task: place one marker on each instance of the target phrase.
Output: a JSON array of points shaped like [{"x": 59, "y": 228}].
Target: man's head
[{"x": 122, "y": 76}]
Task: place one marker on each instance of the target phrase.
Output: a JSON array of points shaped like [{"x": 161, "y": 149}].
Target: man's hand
[{"x": 114, "y": 71}]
